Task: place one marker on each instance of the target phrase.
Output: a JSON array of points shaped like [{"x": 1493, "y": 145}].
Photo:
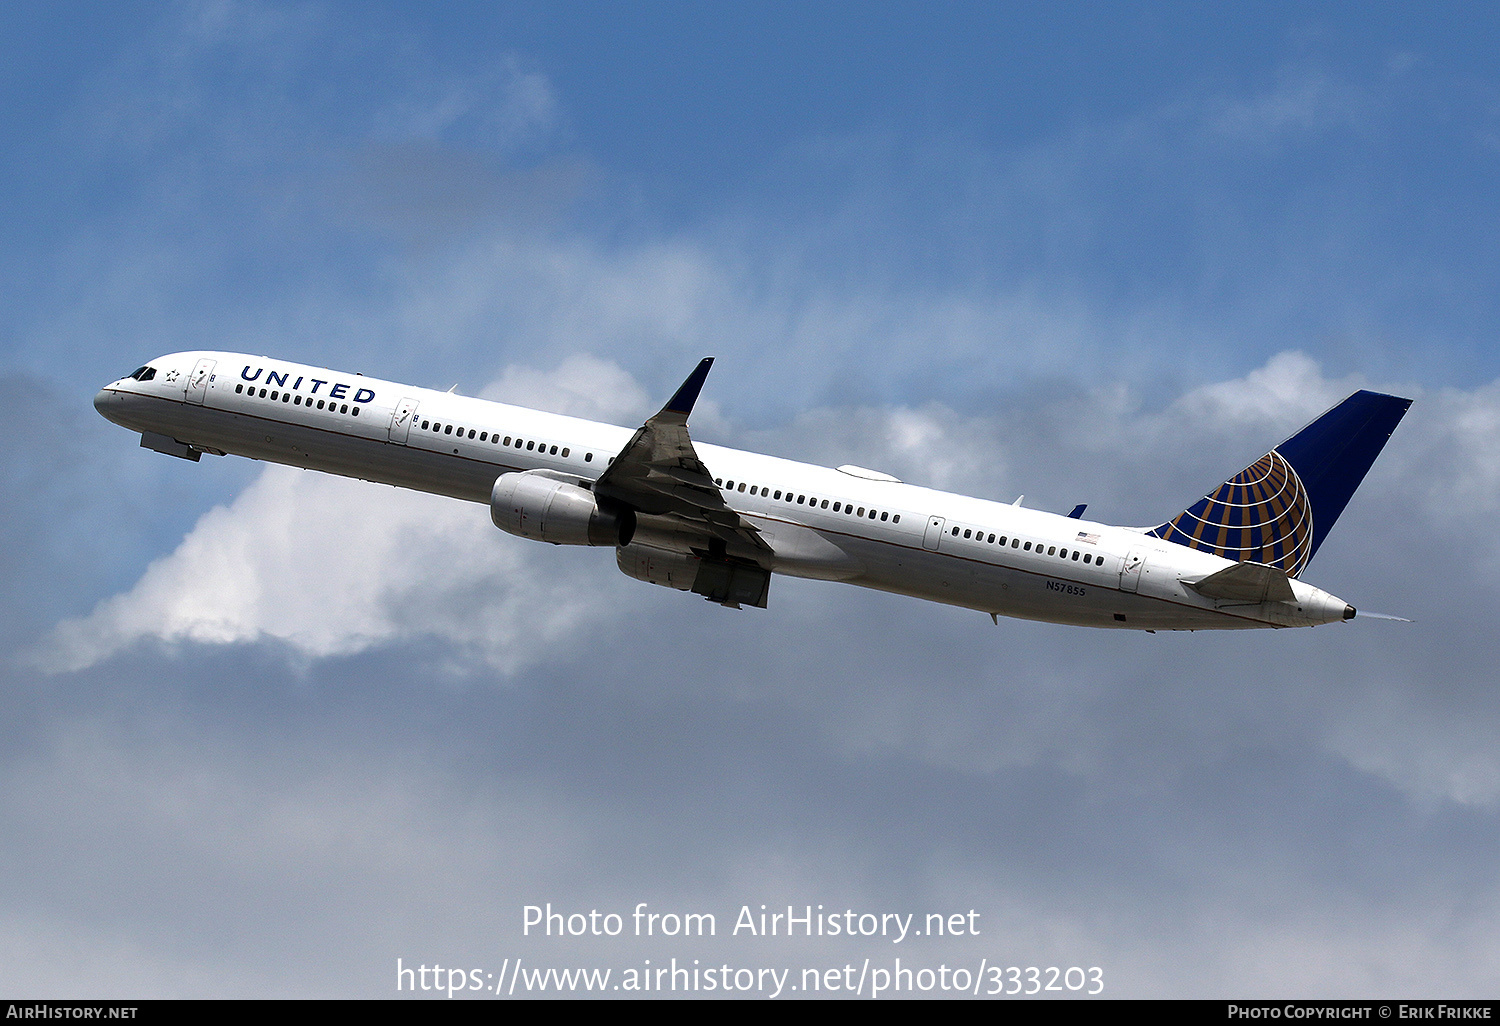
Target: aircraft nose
[{"x": 111, "y": 404}]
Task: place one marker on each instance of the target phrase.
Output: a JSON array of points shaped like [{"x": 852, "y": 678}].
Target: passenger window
[
  {"x": 484, "y": 436},
  {"x": 273, "y": 397},
  {"x": 968, "y": 533},
  {"x": 448, "y": 430},
  {"x": 553, "y": 451},
  {"x": 565, "y": 451},
  {"x": 286, "y": 397},
  {"x": 530, "y": 446},
  {"x": 730, "y": 485},
  {"x": 862, "y": 513},
  {"x": 1075, "y": 555},
  {"x": 1016, "y": 542},
  {"x": 588, "y": 457},
  {"x": 1051, "y": 550},
  {"x": 237, "y": 388},
  {"x": 320, "y": 404},
  {"x": 356, "y": 412},
  {"x": 1028, "y": 546},
  {"x": 1062, "y": 553},
  {"x": 742, "y": 486},
  {"x": 825, "y": 504},
  {"x": 778, "y": 494},
  {"x": 896, "y": 519},
  {"x": 992, "y": 539},
  {"x": 955, "y": 532},
  {"x": 344, "y": 408}
]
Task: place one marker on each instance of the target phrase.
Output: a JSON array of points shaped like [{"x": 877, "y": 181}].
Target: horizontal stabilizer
[{"x": 1246, "y": 582}]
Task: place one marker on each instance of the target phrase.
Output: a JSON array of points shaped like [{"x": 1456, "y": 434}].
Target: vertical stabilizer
[{"x": 1278, "y": 510}]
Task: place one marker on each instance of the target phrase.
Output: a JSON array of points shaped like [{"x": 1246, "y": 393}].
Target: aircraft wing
[{"x": 659, "y": 473}]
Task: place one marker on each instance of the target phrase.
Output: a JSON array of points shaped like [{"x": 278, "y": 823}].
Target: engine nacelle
[
  {"x": 729, "y": 582},
  {"x": 543, "y": 508}
]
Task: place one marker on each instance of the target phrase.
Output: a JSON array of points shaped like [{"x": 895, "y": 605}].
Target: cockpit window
[{"x": 144, "y": 373}]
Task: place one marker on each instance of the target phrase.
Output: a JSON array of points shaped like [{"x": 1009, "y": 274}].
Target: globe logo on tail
[{"x": 1262, "y": 514}]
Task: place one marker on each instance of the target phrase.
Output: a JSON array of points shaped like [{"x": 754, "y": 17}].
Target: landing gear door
[
  {"x": 934, "y": 533},
  {"x": 1130, "y": 570},
  {"x": 401, "y": 420},
  {"x": 197, "y": 383}
]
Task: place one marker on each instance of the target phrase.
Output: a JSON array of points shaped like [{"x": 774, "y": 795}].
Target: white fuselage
[{"x": 819, "y": 523}]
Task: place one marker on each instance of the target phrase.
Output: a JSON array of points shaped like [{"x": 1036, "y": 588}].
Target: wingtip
[{"x": 685, "y": 397}]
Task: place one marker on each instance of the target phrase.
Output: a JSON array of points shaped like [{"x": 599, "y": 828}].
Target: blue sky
[{"x": 273, "y": 731}]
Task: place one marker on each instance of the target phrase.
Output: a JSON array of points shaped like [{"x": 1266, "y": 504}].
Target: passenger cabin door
[
  {"x": 934, "y": 533},
  {"x": 197, "y": 382},
  {"x": 401, "y": 420},
  {"x": 1130, "y": 570}
]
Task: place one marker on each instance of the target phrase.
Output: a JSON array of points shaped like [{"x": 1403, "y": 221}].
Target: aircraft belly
[
  {"x": 314, "y": 448},
  {"x": 1080, "y": 600}
]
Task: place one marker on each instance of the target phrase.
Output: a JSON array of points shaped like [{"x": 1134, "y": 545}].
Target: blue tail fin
[{"x": 1279, "y": 509}]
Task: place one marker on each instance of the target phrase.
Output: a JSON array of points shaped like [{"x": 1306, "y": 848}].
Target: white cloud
[
  {"x": 582, "y": 386},
  {"x": 330, "y": 567},
  {"x": 1289, "y": 389}
]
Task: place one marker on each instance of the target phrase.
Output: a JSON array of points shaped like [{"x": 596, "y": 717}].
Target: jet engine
[{"x": 541, "y": 507}]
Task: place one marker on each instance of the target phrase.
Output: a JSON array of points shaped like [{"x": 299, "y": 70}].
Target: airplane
[{"x": 718, "y": 522}]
